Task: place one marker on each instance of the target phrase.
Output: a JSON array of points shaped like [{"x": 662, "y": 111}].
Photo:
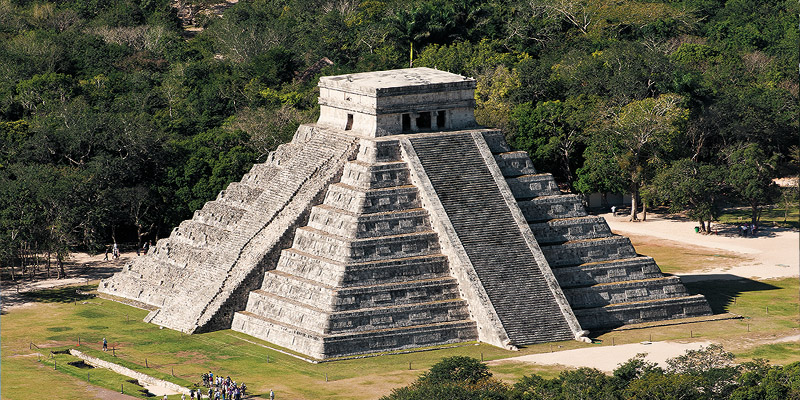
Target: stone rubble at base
[{"x": 396, "y": 222}]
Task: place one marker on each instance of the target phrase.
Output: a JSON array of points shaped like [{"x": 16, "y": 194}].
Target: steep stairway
[
  {"x": 504, "y": 262},
  {"x": 201, "y": 274}
]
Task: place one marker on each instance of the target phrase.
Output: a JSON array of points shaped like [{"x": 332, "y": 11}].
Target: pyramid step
[
  {"x": 356, "y": 200},
  {"x": 360, "y": 226},
  {"x": 199, "y": 234},
  {"x": 221, "y": 215},
  {"x": 616, "y": 315},
  {"x": 357, "y": 297},
  {"x": 607, "y": 271},
  {"x": 333, "y": 273},
  {"x": 533, "y": 185},
  {"x": 327, "y": 346},
  {"x": 239, "y": 194},
  {"x": 546, "y": 208},
  {"x": 604, "y": 294},
  {"x": 298, "y": 313},
  {"x": 373, "y": 176},
  {"x": 379, "y": 151},
  {"x": 496, "y": 141},
  {"x": 556, "y": 231},
  {"x": 514, "y": 163},
  {"x": 588, "y": 250},
  {"x": 342, "y": 249}
]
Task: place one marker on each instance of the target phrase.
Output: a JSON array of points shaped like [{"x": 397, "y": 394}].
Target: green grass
[
  {"x": 96, "y": 376},
  {"x": 778, "y": 353},
  {"x": 775, "y": 216},
  {"x": 59, "y": 324},
  {"x": 56, "y": 321}
]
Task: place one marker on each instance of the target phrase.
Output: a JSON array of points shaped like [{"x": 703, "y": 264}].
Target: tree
[
  {"x": 457, "y": 369},
  {"x": 534, "y": 387},
  {"x": 643, "y": 131},
  {"x": 712, "y": 365},
  {"x": 214, "y": 159},
  {"x": 552, "y": 131},
  {"x": 692, "y": 187},
  {"x": 587, "y": 384},
  {"x": 492, "y": 96},
  {"x": 750, "y": 174},
  {"x": 661, "y": 386},
  {"x": 636, "y": 368},
  {"x": 455, "y": 377}
]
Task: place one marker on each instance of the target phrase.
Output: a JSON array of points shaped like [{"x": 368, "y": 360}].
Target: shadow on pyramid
[{"x": 396, "y": 222}]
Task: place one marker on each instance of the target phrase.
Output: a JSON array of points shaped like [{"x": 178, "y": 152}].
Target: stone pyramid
[{"x": 396, "y": 222}]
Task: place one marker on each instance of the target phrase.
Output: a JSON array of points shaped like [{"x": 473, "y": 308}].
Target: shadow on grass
[
  {"x": 721, "y": 289},
  {"x": 66, "y": 294}
]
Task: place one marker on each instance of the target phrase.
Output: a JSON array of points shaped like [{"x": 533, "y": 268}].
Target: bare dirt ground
[
  {"x": 80, "y": 268},
  {"x": 607, "y": 358},
  {"x": 774, "y": 252}
]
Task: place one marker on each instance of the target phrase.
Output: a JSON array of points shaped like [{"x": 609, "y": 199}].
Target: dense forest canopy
[{"x": 117, "y": 122}]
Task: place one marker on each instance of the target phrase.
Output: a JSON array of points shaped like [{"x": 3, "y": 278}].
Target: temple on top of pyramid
[
  {"x": 396, "y": 222},
  {"x": 374, "y": 104}
]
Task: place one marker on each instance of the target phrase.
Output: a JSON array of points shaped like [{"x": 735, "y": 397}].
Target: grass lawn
[
  {"x": 769, "y": 216},
  {"x": 59, "y": 324},
  {"x": 55, "y": 320}
]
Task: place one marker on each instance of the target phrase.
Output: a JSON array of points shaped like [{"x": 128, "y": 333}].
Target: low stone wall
[{"x": 141, "y": 377}]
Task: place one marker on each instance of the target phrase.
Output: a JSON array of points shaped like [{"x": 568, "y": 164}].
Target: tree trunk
[
  {"x": 644, "y": 210},
  {"x": 634, "y": 203},
  {"x": 61, "y": 272},
  {"x": 49, "y": 255}
]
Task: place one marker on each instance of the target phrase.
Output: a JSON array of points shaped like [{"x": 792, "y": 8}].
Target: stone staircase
[
  {"x": 365, "y": 274},
  {"x": 505, "y": 263},
  {"x": 605, "y": 281},
  {"x": 219, "y": 255}
]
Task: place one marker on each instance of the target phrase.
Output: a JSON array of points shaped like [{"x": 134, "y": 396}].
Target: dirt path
[
  {"x": 607, "y": 358},
  {"x": 775, "y": 252},
  {"x": 80, "y": 268}
]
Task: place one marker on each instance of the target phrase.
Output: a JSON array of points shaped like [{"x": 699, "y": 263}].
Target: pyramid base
[{"x": 322, "y": 346}]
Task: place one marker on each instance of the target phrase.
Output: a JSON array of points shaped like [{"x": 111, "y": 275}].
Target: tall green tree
[
  {"x": 553, "y": 132},
  {"x": 750, "y": 173},
  {"x": 641, "y": 133},
  {"x": 693, "y": 187}
]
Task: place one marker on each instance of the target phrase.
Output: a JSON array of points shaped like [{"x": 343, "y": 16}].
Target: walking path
[{"x": 608, "y": 358}]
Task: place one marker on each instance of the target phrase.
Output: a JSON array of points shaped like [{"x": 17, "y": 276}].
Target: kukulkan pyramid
[{"x": 396, "y": 222}]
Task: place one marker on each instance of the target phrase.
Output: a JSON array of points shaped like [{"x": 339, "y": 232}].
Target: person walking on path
[
  {"x": 271, "y": 395},
  {"x": 108, "y": 250},
  {"x": 105, "y": 344}
]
